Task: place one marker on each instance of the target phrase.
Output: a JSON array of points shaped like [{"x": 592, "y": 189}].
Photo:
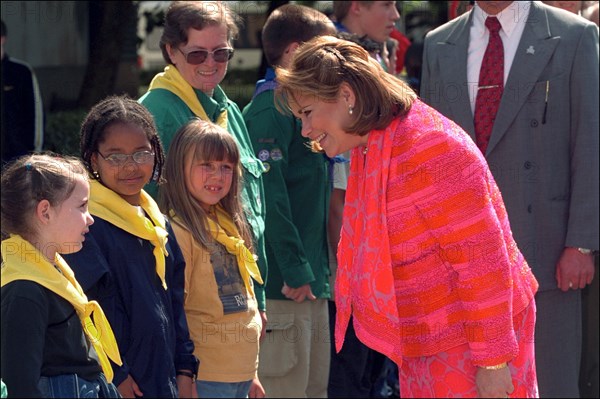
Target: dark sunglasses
[{"x": 197, "y": 57}]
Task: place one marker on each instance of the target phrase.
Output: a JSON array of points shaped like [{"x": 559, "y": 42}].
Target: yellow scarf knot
[
  {"x": 22, "y": 261},
  {"x": 109, "y": 206},
  {"x": 172, "y": 81},
  {"x": 226, "y": 233}
]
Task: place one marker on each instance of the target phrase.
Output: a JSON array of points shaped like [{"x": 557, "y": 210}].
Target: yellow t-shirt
[{"x": 223, "y": 318}]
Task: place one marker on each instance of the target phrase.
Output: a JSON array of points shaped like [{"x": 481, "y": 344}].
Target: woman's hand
[
  {"x": 129, "y": 389},
  {"x": 494, "y": 383}
]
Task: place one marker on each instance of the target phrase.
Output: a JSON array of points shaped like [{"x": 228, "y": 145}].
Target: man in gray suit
[{"x": 543, "y": 152}]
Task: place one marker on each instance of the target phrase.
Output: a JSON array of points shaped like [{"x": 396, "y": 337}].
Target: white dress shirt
[{"x": 512, "y": 19}]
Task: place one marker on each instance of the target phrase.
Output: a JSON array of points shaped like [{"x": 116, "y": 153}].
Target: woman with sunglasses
[{"x": 197, "y": 45}]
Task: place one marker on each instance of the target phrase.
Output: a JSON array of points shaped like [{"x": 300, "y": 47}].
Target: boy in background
[{"x": 294, "y": 355}]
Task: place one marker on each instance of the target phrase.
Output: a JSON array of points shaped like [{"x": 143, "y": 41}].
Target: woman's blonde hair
[
  {"x": 321, "y": 65},
  {"x": 205, "y": 141}
]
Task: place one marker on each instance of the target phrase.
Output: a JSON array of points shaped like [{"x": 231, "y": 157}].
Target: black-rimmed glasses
[
  {"x": 197, "y": 57},
  {"x": 140, "y": 157}
]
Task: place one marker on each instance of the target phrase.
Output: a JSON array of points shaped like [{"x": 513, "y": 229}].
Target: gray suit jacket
[{"x": 547, "y": 170}]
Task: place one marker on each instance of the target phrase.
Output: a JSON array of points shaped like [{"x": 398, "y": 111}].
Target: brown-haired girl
[{"x": 54, "y": 342}]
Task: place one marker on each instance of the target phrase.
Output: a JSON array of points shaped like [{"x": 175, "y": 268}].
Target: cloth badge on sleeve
[
  {"x": 263, "y": 155},
  {"x": 276, "y": 154},
  {"x": 267, "y": 166}
]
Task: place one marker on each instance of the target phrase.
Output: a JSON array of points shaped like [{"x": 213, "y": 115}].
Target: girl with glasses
[
  {"x": 201, "y": 197},
  {"x": 131, "y": 262},
  {"x": 197, "y": 45}
]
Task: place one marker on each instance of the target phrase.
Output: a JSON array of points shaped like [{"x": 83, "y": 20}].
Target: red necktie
[{"x": 491, "y": 85}]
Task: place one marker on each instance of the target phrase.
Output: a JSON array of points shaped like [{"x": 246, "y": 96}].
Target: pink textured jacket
[{"x": 427, "y": 260}]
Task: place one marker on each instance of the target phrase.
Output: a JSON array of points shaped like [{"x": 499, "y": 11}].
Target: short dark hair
[
  {"x": 342, "y": 8},
  {"x": 181, "y": 16},
  {"x": 292, "y": 23}
]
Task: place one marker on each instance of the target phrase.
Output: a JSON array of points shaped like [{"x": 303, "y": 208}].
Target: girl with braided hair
[{"x": 131, "y": 262}]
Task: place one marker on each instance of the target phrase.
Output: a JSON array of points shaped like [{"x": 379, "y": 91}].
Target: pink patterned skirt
[{"x": 451, "y": 374}]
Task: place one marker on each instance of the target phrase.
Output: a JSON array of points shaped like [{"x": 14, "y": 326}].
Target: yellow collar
[
  {"x": 22, "y": 261},
  {"x": 172, "y": 80},
  {"x": 109, "y": 206}
]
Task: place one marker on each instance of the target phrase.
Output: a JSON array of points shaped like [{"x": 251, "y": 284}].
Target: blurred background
[{"x": 82, "y": 51}]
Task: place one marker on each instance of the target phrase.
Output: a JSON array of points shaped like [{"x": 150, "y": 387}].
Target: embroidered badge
[
  {"x": 263, "y": 155},
  {"x": 267, "y": 167},
  {"x": 276, "y": 154},
  {"x": 530, "y": 50}
]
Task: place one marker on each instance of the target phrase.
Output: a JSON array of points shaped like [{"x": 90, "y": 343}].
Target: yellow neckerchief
[
  {"x": 226, "y": 233},
  {"x": 22, "y": 261},
  {"x": 108, "y": 205},
  {"x": 172, "y": 80}
]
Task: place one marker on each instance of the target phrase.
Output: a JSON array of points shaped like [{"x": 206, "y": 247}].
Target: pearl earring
[{"x": 350, "y": 109}]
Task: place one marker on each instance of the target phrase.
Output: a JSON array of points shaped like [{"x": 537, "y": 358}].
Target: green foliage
[
  {"x": 241, "y": 76},
  {"x": 241, "y": 94},
  {"x": 239, "y": 85},
  {"x": 146, "y": 76},
  {"x": 62, "y": 131},
  {"x": 154, "y": 18}
]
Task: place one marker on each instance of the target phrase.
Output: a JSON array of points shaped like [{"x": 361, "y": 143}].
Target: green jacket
[
  {"x": 297, "y": 197},
  {"x": 170, "y": 113}
]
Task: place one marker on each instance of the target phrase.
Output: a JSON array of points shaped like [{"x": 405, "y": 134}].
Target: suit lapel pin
[{"x": 530, "y": 50}]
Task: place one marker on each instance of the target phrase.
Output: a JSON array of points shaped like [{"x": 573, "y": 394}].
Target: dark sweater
[
  {"x": 118, "y": 270},
  {"x": 41, "y": 336}
]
